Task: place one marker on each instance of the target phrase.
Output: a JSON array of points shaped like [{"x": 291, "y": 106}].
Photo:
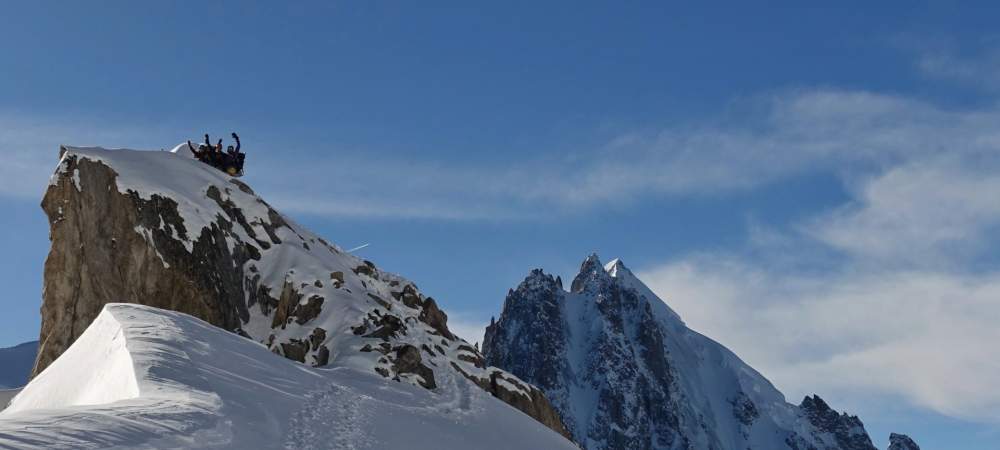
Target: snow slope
[
  {"x": 625, "y": 372},
  {"x": 15, "y": 364},
  {"x": 145, "y": 378},
  {"x": 162, "y": 229}
]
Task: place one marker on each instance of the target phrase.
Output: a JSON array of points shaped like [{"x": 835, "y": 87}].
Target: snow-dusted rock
[
  {"x": 624, "y": 372},
  {"x": 164, "y": 230},
  {"x": 145, "y": 378},
  {"x": 902, "y": 442}
]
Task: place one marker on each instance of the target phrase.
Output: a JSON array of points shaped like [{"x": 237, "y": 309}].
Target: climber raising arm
[{"x": 237, "y": 142}]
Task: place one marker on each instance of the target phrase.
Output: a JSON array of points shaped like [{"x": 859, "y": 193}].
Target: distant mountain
[
  {"x": 15, "y": 364},
  {"x": 625, "y": 373},
  {"x": 902, "y": 442}
]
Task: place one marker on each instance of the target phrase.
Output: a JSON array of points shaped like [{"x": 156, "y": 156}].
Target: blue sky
[{"x": 829, "y": 172}]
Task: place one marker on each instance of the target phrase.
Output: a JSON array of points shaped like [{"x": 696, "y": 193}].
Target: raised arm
[
  {"x": 207, "y": 142},
  {"x": 237, "y": 141},
  {"x": 190, "y": 147},
  {"x": 219, "y": 145}
]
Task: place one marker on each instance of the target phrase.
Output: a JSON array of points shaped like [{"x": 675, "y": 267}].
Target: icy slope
[
  {"x": 625, "y": 372},
  {"x": 164, "y": 230},
  {"x": 141, "y": 377}
]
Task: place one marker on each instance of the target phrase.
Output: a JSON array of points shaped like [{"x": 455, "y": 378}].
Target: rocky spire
[
  {"x": 902, "y": 442},
  {"x": 846, "y": 429},
  {"x": 625, "y": 373},
  {"x": 591, "y": 274}
]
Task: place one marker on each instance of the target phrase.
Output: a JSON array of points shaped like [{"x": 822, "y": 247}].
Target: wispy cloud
[
  {"x": 934, "y": 211},
  {"x": 906, "y": 311},
  {"x": 467, "y": 327},
  {"x": 945, "y": 60},
  {"x": 782, "y": 134},
  {"x": 777, "y": 135},
  {"x": 29, "y": 147}
]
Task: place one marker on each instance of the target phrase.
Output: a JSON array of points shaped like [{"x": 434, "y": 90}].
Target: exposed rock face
[
  {"x": 97, "y": 257},
  {"x": 847, "y": 430},
  {"x": 624, "y": 372},
  {"x": 161, "y": 229},
  {"x": 902, "y": 442}
]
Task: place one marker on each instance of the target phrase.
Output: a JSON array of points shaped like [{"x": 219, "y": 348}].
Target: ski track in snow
[
  {"x": 338, "y": 417},
  {"x": 330, "y": 419}
]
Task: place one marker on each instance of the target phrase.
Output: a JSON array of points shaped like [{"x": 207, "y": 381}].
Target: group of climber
[{"x": 229, "y": 161}]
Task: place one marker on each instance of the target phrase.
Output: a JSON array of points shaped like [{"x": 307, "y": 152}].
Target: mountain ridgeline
[
  {"x": 624, "y": 372},
  {"x": 606, "y": 363},
  {"x": 164, "y": 230}
]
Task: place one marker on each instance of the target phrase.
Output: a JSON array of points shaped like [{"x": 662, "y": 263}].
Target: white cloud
[
  {"x": 467, "y": 327},
  {"x": 928, "y": 212},
  {"x": 905, "y": 313},
  {"x": 769, "y": 137},
  {"x": 774, "y": 136}
]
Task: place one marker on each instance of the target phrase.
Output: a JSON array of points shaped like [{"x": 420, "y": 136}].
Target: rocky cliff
[
  {"x": 902, "y": 442},
  {"x": 624, "y": 372},
  {"x": 163, "y": 230}
]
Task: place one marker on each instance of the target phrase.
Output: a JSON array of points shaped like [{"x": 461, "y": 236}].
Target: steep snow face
[
  {"x": 98, "y": 371},
  {"x": 168, "y": 380},
  {"x": 164, "y": 230},
  {"x": 624, "y": 372},
  {"x": 15, "y": 364}
]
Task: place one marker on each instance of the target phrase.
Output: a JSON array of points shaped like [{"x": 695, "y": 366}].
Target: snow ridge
[{"x": 201, "y": 387}]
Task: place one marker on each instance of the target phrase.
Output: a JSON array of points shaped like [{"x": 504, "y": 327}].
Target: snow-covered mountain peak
[
  {"x": 615, "y": 266},
  {"x": 902, "y": 442},
  {"x": 592, "y": 276},
  {"x": 624, "y": 372},
  {"x": 163, "y": 229}
]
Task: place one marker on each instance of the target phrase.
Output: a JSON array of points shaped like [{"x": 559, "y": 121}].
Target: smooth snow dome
[{"x": 173, "y": 381}]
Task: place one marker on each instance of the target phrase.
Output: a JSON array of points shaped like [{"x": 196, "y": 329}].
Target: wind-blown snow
[
  {"x": 96, "y": 369},
  {"x": 163, "y": 379}
]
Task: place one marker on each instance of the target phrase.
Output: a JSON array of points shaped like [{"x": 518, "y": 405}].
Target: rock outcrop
[
  {"x": 902, "y": 442},
  {"x": 624, "y": 372},
  {"x": 846, "y": 430},
  {"x": 163, "y": 230}
]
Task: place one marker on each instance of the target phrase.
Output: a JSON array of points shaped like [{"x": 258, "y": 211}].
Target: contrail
[{"x": 357, "y": 248}]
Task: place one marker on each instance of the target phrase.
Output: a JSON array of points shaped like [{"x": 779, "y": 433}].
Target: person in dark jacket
[
  {"x": 197, "y": 152},
  {"x": 234, "y": 159},
  {"x": 230, "y": 161}
]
